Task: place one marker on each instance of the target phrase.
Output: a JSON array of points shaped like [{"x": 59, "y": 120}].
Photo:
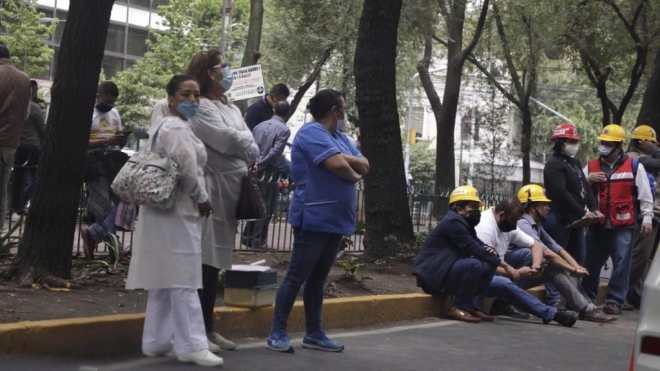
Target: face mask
[
  {"x": 187, "y": 109},
  {"x": 104, "y": 107},
  {"x": 341, "y": 125},
  {"x": 571, "y": 149},
  {"x": 227, "y": 78},
  {"x": 473, "y": 217},
  {"x": 604, "y": 150},
  {"x": 506, "y": 226}
]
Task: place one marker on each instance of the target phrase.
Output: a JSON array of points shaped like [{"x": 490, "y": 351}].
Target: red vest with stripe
[{"x": 616, "y": 196}]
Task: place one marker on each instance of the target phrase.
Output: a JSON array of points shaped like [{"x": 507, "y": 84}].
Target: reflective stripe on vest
[{"x": 616, "y": 196}]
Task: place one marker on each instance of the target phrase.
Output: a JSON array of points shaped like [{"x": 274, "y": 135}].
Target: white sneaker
[
  {"x": 166, "y": 353},
  {"x": 221, "y": 341},
  {"x": 202, "y": 358},
  {"x": 214, "y": 348}
]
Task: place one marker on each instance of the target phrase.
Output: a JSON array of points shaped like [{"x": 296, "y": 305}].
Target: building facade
[{"x": 126, "y": 42}]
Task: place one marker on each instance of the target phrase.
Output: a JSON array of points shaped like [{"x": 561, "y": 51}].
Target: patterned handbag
[{"x": 148, "y": 179}]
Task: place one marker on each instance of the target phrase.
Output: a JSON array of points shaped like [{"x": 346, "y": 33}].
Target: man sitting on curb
[
  {"x": 497, "y": 229},
  {"x": 453, "y": 261},
  {"x": 563, "y": 270}
]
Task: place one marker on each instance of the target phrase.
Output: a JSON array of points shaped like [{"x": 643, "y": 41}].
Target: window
[
  {"x": 142, "y": 3},
  {"x": 112, "y": 65},
  {"x": 115, "y": 39},
  {"x": 137, "y": 42}
]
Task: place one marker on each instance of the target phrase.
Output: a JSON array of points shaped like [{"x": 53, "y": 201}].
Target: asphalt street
[{"x": 433, "y": 344}]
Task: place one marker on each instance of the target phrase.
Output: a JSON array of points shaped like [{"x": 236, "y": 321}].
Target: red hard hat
[{"x": 565, "y": 131}]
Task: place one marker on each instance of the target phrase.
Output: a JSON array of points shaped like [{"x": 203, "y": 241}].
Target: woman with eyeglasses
[{"x": 231, "y": 149}]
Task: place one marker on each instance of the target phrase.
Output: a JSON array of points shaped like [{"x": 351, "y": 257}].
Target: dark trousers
[
  {"x": 642, "y": 255},
  {"x": 255, "y": 232},
  {"x": 208, "y": 294},
  {"x": 313, "y": 255},
  {"x": 609, "y": 243},
  {"x": 467, "y": 278},
  {"x": 24, "y": 176}
]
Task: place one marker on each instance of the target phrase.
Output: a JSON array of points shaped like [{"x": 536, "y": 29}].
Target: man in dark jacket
[
  {"x": 14, "y": 100},
  {"x": 453, "y": 261},
  {"x": 570, "y": 192},
  {"x": 262, "y": 110}
]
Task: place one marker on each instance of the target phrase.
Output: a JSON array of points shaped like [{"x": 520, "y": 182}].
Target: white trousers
[{"x": 174, "y": 319}]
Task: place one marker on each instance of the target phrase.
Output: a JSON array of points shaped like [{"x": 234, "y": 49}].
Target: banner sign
[{"x": 248, "y": 83}]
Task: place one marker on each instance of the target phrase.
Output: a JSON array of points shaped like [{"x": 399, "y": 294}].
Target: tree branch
[
  {"x": 630, "y": 27},
  {"x": 300, "y": 93},
  {"x": 444, "y": 9},
  {"x": 424, "y": 75},
  {"x": 507, "y": 51},
  {"x": 477, "y": 32}
]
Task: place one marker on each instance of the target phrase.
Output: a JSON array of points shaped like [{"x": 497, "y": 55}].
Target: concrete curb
[{"x": 121, "y": 334}]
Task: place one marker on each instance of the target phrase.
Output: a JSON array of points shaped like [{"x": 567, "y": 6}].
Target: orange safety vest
[{"x": 616, "y": 196}]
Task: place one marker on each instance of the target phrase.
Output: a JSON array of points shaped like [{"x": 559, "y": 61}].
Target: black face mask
[
  {"x": 473, "y": 217},
  {"x": 506, "y": 226},
  {"x": 104, "y": 107}
]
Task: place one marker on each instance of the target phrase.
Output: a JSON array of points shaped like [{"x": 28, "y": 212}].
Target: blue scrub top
[{"x": 322, "y": 201}]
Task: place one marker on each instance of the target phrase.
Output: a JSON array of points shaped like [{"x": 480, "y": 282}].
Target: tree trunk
[
  {"x": 309, "y": 81},
  {"x": 389, "y": 225},
  {"x": 47, "y": 244},
  {"x": 525, "y": 142},
  {"x": 650, "y": 112},
  {"x": 253, "y": 44}
]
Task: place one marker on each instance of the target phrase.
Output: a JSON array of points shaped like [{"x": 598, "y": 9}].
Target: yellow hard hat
[
  {"x": 532, "y": 193},
  {"x": 464, "y": 193},
  {"x": 612, "y": 133},
  {"x": 644, "y": 132}
]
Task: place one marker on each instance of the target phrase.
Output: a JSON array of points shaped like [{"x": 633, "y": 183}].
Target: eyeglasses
[{"x": 220, "y": 66}]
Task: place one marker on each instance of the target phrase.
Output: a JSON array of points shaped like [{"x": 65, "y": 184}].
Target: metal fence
[{"x": 422, "y": 201}]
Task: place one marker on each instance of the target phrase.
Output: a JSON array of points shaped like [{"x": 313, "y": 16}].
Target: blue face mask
[
  {"x": 227, "y": 78},
  {"x": 187, "y": 109}
]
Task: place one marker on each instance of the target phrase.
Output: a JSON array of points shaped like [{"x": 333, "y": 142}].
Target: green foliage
[
  {"x": 422, "y": 164},
  {"x": 25, "y": 35},
  {"x": 352, "y": 267},
  {"x": 191, "y": 26}
]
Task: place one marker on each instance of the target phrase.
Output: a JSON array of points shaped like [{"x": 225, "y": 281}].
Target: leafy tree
[
  {"x": 422, "y": 164},
  {"x": 190, "y": 27},
  {"x": 25, "y": 35}
]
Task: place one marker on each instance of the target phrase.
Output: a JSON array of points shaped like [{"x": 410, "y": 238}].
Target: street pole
[
  {"x": 226, "y": 22},
  {"x": 549, "y": 109}
]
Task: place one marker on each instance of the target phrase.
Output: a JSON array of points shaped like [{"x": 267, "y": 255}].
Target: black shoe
[
  {"x": 511, "y": 311},
  {"x": 565, "y": 318}
]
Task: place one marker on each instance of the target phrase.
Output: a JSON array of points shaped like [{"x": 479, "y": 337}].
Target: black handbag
[{"x": 251, "y": 204}]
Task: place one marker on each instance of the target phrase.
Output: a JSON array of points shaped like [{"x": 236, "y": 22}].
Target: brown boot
[
  {"x": 462, "y": 315},
  {"x": 481, "y": 315}
]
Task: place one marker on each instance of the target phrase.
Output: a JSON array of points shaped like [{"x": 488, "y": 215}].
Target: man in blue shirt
[
  {"x": 562, "y": 270},
  {"x": 325, "y": 166},
  {"x": 271, "y": 137}
]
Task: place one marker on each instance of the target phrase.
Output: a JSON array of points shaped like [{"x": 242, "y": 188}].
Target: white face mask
[
  {"x": 604, "y": 150},
  {"x": 571, "y": 149}
]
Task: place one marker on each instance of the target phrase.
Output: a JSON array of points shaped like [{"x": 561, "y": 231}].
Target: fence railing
[{"x": 422, "y": 200}]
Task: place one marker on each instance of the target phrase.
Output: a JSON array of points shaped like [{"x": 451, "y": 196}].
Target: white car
[{"x": 646, "y": 354}]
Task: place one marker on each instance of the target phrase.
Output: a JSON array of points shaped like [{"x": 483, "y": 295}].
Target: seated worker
[
  {"x": 497, "y": 229},
  {"x": 562, "y": 270},
  {"x": 453, "y": 261}
]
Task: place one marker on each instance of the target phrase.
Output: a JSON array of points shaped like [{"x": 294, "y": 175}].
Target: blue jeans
[
  {"x": 468, "y": 278},
  {"x": 573, "y": 240},
  {"x": 101, "y": 231},
  {"x": 503, "y": 288},
  {"x": 614, "y": 243},
  {"x": 313, "y": 255},
  {"x": 522, "y": 257}
]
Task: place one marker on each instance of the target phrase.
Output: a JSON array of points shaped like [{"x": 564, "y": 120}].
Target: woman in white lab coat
[
  {"x": 231, "y": 150},
  {"x": 167, "y": 246}
]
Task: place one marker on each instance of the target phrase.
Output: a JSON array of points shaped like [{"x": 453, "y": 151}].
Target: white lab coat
[
  {"x": 230, "y": 147},
  {"x": 167, "y": 244}
]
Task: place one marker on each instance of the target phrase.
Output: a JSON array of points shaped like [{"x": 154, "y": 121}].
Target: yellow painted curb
[{"x": 121, "y": 334}]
